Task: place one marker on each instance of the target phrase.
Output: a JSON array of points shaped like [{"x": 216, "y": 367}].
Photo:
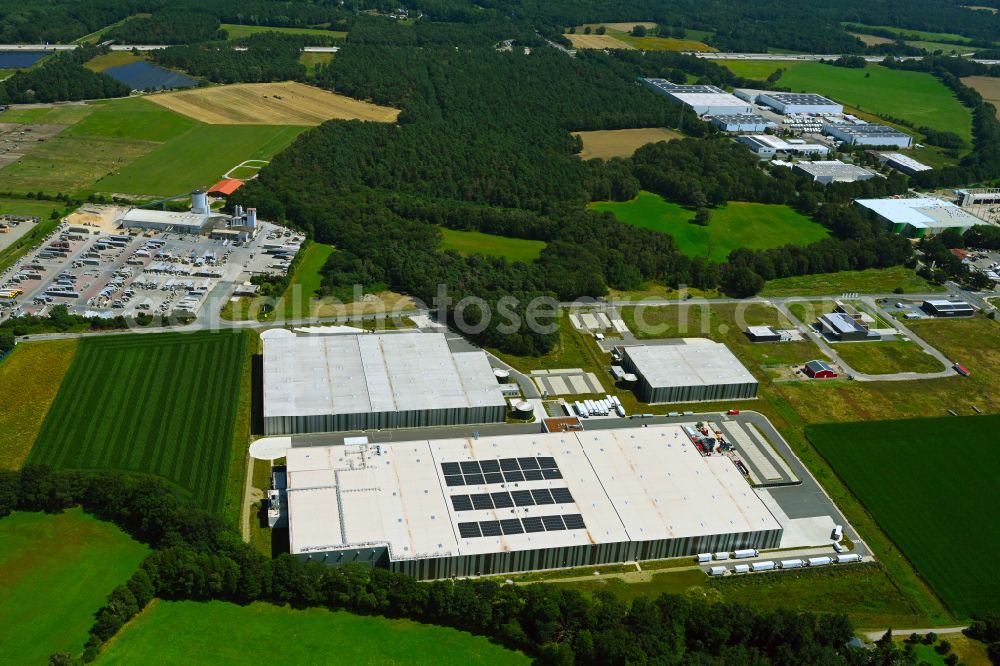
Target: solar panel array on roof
[
  {"x": 492, "y": 528},
  {"x": 504, "y": 470}
]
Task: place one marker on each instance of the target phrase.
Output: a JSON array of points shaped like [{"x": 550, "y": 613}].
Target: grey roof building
[
  {"x": 705, "y": 100},
  {"x": 742, "y": 122},
  {"x": 786, "y": 102},
  {"x": 843, "y": 327},
  {"x": 868, "y": 134},
  {"x": 832, "y": 171},
  {"x": 698, "y": 371},
  {"x": 322, "y": 383},
  {"x": 943, "y": 308}
]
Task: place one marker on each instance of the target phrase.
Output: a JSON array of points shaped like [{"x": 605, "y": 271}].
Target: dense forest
[
  {"x": 170, "y": 26},
  {"x": 268, "y": 56},
  {"x": 61, "y": 77},
  {"x": 196, "y": 556}
]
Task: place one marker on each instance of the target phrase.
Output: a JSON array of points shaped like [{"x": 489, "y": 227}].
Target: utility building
[
  {"x": 868, "y": 134},
  {"x": 494, "y": 505},
  {"x": 703, "y": 370},
  {"x": 705, "y": 100},
  {"x": 787, "y": 103},
  {"x": 321, "y": 383}
]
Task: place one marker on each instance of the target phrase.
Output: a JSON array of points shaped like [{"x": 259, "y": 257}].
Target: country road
[{"x": 875, "y": 635}]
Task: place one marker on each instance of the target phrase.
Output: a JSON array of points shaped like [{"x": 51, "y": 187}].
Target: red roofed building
[{"x": 225, "y": 187}]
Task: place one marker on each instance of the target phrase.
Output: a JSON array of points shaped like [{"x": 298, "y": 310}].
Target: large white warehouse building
[
  {"x": 868, "y": 134},
  {"x": 689, "y": 372},
  {"x": 705, "y": 100},
  {"x": 917, "y": 217},
  {"x": 322, "y": 383},
  {"x": 787, "y": 103},
  {"x": 493, "y": 505}
]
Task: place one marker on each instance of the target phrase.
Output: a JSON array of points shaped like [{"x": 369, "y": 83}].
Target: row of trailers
[
  {"x": 602, "y": 407},
  {"x": 795, "y": 563}
]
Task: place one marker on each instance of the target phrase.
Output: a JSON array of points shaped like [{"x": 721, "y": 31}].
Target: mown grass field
[
  {"x": 37, "y": 207},
  {"x": 887, "y": 356},
  {"x": 111, "y": 59},
  {"x": 61, "y": 114},
  {"x": 215, "y": 632},
  {"x": 870, "y": 281},
  {"x": 197, "y": 158},
  {"x": 37, "y": 370},
  {"x": 928, "y": 483},
  {"x": 161, "y": 404},
  {"x": 491, "y": 245},
  {"x": 56, "y": 571},
  {"x": 240, "y": 31},
  {"x": 306, "y": 280},
  {"x": 738, "y": 224},
  {"x": 606, "y": 144},
  {"x": 312, "y": 61}
]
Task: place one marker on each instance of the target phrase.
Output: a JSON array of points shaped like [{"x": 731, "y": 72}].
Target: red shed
[
  {"x": 225, "y": 187},
  {"x": 819, "y": 370}
]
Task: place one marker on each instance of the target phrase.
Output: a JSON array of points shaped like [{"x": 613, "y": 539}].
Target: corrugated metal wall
[{"x": 291, "y": 425}]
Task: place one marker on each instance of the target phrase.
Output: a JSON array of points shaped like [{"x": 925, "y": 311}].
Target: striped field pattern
[{"x": 159, "y": 404}]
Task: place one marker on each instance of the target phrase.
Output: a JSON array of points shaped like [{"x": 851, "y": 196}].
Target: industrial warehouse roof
[
  {"x": 454, "y": 497},
  {"x": 190, "y": 221},
  {"x": 921, "y": 212},
  {"x": 313, "y": 375},
  {"x": 905, "y": 161},
  {"x": 800, "y": 99},
  {"x": 949, "y": 306},
  {"x": 704, "y": 363},
  {"x": 865, "y": 130},
  {"x": 841, "y": 322},
  {"x": 672, "y": 88},
  {"x": 834, "y": 169},
  {"x": 780, "y": 145}
]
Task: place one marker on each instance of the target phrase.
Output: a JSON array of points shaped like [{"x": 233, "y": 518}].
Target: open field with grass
[
  {"x": 65, "y": 113},
  {"x": 36, "y": 207},
  {"x": 753, "y": 69},
  {"x": 884, "y": 463},
  {"x": 185, "y": 632},
  {"x": 887, "y": 356},
  {"x": 865, "y": 592},
  {"x": 312, "y": 61},
  {"x": 56, "y": 572},
  {"x": 37, "y": 370},
  {"x": 738, "y": 224},
  {"x": 197, "y": 158},
  {"x": 162, "y": 404},
  {"x": 240, "y": 31},
  {"x": 969, "y": 652},
  {"x": 134, "y": 118},
  {"x": 653, "y": 43},
  {"x": 986, "y": 86},
  {"x": 870, "y": 281},
  {"x": 287, "y": 103},
  {"x": 306, "y": 280},
  {"x": 491, "y": 245},
  {"x": 872, "y": 40},
  {"x": 111, "y": 59},
  {"x": 606, "y": 144},
  {"x": 238, "y": 449},
  {"x": 581, "y": 41}
]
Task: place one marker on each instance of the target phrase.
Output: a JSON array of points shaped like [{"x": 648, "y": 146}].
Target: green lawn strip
[
  {"x": 492, "y": 245},
  {"x": 906, "y": 33},
  {"x": 197, "y": 158},
  {"x": 735, "y": 225},
  {"x": 870, "y": 281},
  {"x": 57, "y": 571},
  {"x": 10, "y": 254},
  {"x": 306, "y": 281},
  {"x": 883, "y": 462},
  {"x": 134, "y": 118},
  {"x": 111, "y": 59},
  {"x": 161, "y": 404},
  {"x": 240, "y": 31},
  {"x": 887, "y": 356},
  {"x": 236, "y": 479},
  {"x": 216, "y": 632},
  {"x": 753, "y": 69}
]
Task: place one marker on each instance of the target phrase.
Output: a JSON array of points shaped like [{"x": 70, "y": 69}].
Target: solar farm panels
[
  {"x": 534, "y": 525},
  {"x": 508, "y": 500},
  {"x": 504, "y": 470}
]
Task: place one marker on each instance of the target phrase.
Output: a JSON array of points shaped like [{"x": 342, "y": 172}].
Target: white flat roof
[
  {"x": 705, "y": 364},
  {"x": 906, "y": 161},
  {"x": 920, "y": 213},
  {"x": 722, "y": 99},
  {"x": 626, "y": 484},
  {"x": 165, "y": 217},
  {"x": 310, "y": 375}
]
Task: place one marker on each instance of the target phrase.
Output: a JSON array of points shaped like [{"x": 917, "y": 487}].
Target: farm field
[
  {"x": 161, "y": 404},
  {"x": 653, "y": 43},
  {"x": 491, "y": 245},
  {"x": 907, "y": 34},
  {"x": 606, "y": 144},
  {"x": 37, "y": 369},
  {"x": 986, "y": 86},
  {"x": 592, "y": 41},
  {"x": 240, "y": 31},
  {"x": 196, "y": 158},
  {"x": 57, "y": 571},
  {"x": 884, "y": 462},
  {"x": 887, "y": 356},
  {"x": 738, "y": 224},
  {"x": 133, "y": 118},
  {"x": 869, "y": 281},
  {"x": 55, "y": 114},
  {"x": 287, "y": 103},
  {"x": 187, "y": 632}
]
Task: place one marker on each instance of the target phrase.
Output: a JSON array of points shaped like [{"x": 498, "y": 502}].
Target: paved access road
[{"x": 875, "y": 635}]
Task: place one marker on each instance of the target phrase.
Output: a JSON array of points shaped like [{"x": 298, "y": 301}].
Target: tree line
[
  {"x": 196, "y": 556},
  {"x": 269, "y": 56},
  {"x": 61, "y": 77}
]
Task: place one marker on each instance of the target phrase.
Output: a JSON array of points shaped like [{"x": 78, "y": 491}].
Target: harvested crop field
[
  {"x": 986, "y": 86},
  {"x": 597, "y": 42},
  {"x": 287, "y": 103},
  {"x": 606, "y": 144}
]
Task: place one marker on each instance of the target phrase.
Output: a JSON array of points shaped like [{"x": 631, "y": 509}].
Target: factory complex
[
  {"x": 919, "y": 216},
  {"x": 490, "y": 505},
  {"x": 697, "y": 370},
  {"x": 324, "y": 383}
]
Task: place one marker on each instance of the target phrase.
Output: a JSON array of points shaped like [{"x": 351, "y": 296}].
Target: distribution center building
[
  {"x": 743, "y": 122},
  {"x": 705, "y": 100},
  {"x": 832, "y": 171},
  {"x": 768, "y": 145},
  {"x": 691, "y": 372},
  {"x": 323, "y": 383},
  {"x": 493, "y": 505},
  {"x": 787, "y": 103},
  {"x": 903, "y": 163},
  {"x": 917, "y": 217},
  {"x": 868, "y": 134}
]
